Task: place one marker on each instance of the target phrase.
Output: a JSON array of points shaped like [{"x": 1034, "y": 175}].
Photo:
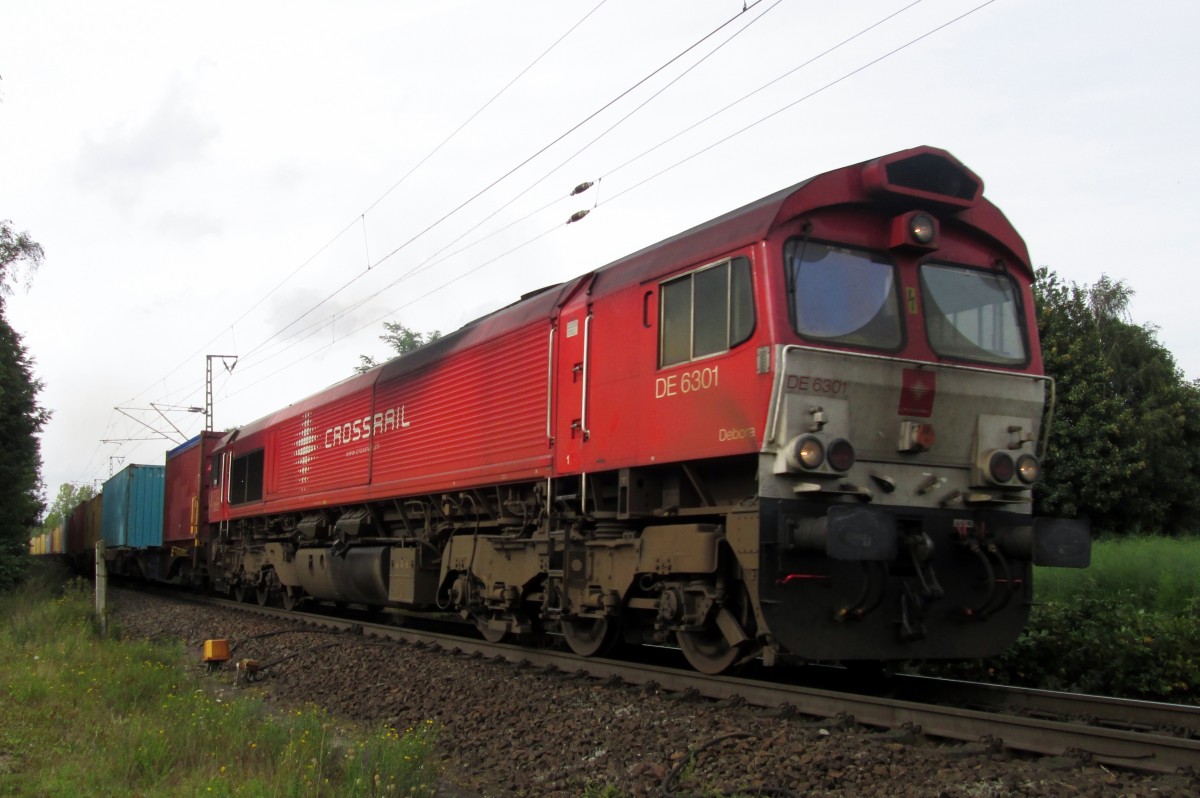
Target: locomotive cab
[{"x": 905, "y": 430}]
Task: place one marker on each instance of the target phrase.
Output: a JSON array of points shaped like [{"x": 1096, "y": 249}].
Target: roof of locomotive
[
  {"x": 865, "y": 182},
  {"x": 351, "y": 384},
  {"x": 537, "y": 305},
  {"x": 742, "y": 226},
  {"x": 726, "y": 232},
  {"x": 934, "y": 179}
]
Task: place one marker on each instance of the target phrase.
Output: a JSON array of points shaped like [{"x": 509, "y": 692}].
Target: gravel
[{"x": 511, "y": 731}]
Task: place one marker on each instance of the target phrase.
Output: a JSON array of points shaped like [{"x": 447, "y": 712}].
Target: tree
[
  {"x": 69, "y": 497},
  {"x": 21, "y": 418},
  {"x": 16, "y": 250},
  {"x": 1126, "y": 422},
  {"x": 401, "y": 339}
]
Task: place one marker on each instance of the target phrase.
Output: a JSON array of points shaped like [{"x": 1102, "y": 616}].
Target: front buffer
[{"x": 853, "y": 582}]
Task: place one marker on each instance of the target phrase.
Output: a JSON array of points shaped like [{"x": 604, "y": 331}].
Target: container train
[{"x": 807, "y": 429}]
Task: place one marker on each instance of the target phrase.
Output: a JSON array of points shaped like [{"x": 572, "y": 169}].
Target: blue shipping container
[{"x": 132, "y": 513}]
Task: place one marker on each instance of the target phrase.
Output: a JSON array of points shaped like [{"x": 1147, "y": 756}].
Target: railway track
[{"x": 1139, "y": 736}]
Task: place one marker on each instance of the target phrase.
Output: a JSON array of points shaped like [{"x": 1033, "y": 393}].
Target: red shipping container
[{"x": 186, "y": 488}]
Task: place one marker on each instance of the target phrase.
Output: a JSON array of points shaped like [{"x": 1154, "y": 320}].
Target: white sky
[{"x": 178, "y": 162}]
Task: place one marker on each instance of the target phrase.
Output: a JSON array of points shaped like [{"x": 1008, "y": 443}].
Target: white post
[{"x": 101, "y": 588}]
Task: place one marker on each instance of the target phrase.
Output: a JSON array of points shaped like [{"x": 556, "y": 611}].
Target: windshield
[
  {"x": 972, "y": 314},
  {"x": 842, "y": 295}
]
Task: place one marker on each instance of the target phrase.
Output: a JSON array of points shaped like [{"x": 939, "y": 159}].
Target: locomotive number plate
[
  {"x": 816, "y": 384},
  {"x": 687, "y": 382}
]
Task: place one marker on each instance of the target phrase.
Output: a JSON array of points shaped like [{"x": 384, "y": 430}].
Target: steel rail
[
  {"x": 1144, "y": 750},
  {"x": 1121, "y": 713}
]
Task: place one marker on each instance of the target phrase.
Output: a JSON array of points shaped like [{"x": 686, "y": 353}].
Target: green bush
[
  {"x": 1127, "y": 626},
  {"x": 1102, "y": 643}
]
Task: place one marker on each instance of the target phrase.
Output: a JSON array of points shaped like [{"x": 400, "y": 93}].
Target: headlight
[
  {"x": 808, "y": 452},
  {"x": 841, "y": 455},
  {"x": 915, "y": 230},
  {"x": 922, "y": 228},
  {"x": 1028, "y": 469},
  {"x": 1001, "y": 467}
]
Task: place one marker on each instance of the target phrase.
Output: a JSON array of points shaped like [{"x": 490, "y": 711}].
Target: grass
[
  {"x": 1128, "y": 626},
  {"x": 1158, "y": 574},
  {"x": 80, "y": 715}
]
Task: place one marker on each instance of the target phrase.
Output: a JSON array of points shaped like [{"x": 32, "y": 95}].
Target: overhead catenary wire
[
  {"x": 433, "y": 259},
  {"x": 186, "y": 390},
  {"x": 731, "y": 136},
  {"x": 495, "y": 182},
  {"x": 507, "y": 174},
  {"x": 370, "y": 266},
  {"x": 489, "y": 102},
  {"x": 381, "y": 197},
  {"x": 572, "y": 129},
  {"x": 613, "y": 126},
  {"x": 723, "y": 140},
  {"x": 298, "y": 336},
  {"x": 763, "y": 87},
  {"x": 428, "y": 293},
  {"x": 653, "y": 176},
  {"x": 794, "y": 103}
]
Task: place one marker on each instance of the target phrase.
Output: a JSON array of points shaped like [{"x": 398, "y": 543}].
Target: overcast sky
[{"x": 203, "y": 176}]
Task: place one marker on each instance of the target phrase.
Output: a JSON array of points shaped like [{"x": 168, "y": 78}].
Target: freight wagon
[{"x": 132, "y": 520}]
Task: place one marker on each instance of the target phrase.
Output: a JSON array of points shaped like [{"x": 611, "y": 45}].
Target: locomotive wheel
[
  {"x": 708, "y": 650},
  {"x": 263, "y": 596},
  {"x": 290, "y": 598},
  {"x": 588, "y": 637},
  {"x": 239, "y": 593}
]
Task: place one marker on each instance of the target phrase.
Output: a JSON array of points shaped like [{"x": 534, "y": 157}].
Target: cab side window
[
  {"x": 246, "y": 478},
  {"x": 705, "y": 312}
]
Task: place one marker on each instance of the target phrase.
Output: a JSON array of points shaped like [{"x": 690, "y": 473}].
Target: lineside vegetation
[
  {"x": 90, "y": 716},
  {"x": 1157, "y": 574},
  {"x": 1128, "y": 626}
]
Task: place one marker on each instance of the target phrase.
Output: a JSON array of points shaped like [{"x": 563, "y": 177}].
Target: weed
[
  {"x": 98, "y": 716},
  {"x": 1155, "y": 573}
]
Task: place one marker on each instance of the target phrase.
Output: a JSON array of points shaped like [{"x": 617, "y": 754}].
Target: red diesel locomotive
[{"x": 808, "y": 428}]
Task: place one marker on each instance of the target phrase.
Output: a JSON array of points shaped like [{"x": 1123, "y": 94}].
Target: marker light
[
  {"x": 1001, "y": 467},
  {"x": 1028, "y": 469},
  {"x": 841, "y": 455}
]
